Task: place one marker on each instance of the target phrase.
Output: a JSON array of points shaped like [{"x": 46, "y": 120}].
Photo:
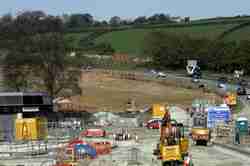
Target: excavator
[{"x": 173, "y": 145}]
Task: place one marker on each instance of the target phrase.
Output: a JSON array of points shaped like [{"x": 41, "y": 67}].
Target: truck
[{"x": 199, "y": 132}]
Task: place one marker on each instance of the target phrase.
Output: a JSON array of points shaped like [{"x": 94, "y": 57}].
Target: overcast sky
[{"x": 104, "y": 9}]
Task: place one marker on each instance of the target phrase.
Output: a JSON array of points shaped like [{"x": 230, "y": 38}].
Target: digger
[{"x": 173, "y": 147}]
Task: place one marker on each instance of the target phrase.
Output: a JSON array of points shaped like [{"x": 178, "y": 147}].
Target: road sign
[{"x": 218, "y": 114}]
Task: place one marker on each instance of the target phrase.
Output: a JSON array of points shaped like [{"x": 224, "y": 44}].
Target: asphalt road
[{"x": 215, "y": 156}]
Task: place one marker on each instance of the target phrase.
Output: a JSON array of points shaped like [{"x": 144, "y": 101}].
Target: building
[{"x": 27, "y": 103}]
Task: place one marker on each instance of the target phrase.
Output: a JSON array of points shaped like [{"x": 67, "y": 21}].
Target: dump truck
[
  {"x": 199, "y": 132},
  {"x": 173, "y": 145}
]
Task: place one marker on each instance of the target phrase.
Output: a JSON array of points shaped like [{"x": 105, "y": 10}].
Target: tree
[
  {"x": 15, "y": 74},
  {"x": 159, "y": 18},
  {"x": 172, "y": 51},
  {"x": 114, "y": 21},
  {"x": 242, "y": 56},
  {"x": 80, "y": 20},
  {"x": 53, "y": 65},
  {"x": 140, "y": 20},
  {"x": 43, "y": 51}
]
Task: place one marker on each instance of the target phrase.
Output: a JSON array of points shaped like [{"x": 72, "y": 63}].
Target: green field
[
  {"x": 241, "y": 34},
  {"x": 130, "y": 40}
]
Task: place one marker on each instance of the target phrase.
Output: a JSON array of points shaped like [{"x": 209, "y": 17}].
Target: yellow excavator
[{"x": 173, "y": 147}]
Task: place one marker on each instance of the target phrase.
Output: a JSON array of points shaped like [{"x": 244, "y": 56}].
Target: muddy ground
[{"x": 110, "y": 94}]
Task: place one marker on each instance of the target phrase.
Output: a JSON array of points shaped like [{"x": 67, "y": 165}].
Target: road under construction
[{"x": 110, "y": 138}]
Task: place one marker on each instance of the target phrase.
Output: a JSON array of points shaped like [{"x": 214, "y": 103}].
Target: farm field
[{"x": 130, "y": 40}]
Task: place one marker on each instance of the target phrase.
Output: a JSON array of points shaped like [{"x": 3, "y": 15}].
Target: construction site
[{"x": 125, "y": 119}]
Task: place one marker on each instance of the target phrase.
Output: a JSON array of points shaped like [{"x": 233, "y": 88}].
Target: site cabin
[
  {"x": 26, "y": 103},
  {"x": 30, "y": 105}
]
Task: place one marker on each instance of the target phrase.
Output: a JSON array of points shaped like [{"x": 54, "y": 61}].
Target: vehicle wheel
[
  {"x": 166, "y": 164},
  {"x": 174, "y": 163}
]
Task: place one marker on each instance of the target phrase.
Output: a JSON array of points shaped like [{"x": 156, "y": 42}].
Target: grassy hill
[{"x": 129, "y": 39}]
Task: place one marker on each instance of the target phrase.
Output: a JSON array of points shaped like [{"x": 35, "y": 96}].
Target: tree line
[
  {"x": 169, "y": 50},
  {"x": 36, "y": 55}
]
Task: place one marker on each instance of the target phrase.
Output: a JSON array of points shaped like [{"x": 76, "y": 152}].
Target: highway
[{"x": 215, "y": 156}]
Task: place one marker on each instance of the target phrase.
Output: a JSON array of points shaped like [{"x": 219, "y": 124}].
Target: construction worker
[
  {"x": 136, "y": 138},
  {"x": 237, "y": 136}
]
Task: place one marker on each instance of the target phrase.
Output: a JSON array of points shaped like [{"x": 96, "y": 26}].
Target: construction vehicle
[
  {"x": 158, "y": 111},
  {"x": 173, "y": 147},
  {"x": 199, "y": 132}
]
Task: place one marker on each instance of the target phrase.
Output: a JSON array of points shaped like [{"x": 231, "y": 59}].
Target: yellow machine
[
  {"x": 158, "y": 111},
  {"x": 31, "y": 129},
  {"x": 230, "y": 99},
  {"x": 173, "y": 146},
  {"x": 200, "y": 133}
]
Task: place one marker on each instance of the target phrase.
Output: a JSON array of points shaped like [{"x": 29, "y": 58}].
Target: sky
[{"x": 104, "y": 9}]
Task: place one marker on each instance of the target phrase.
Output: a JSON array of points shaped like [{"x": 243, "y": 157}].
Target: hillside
[{"x": 129, "y": 39}]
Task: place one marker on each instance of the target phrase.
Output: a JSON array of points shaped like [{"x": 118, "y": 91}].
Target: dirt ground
[{"x": 112, "y": 94}]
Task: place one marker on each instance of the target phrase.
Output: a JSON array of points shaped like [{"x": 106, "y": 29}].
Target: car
[
  {"x": 248, "y": 96},
  {"x": 241, "y": 91},
  {"x": 196, "y": 78},
  {"x": 243, "y": 82},
  {"x": 221, "y": 82},
  {"x": 161, "y": 75},
  {"x": 154, "y": 124}
]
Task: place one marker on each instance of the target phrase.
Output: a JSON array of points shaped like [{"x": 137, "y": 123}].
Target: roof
[
  {"x": 242, "y": 119},
  {"x": 23, "y": 94}
]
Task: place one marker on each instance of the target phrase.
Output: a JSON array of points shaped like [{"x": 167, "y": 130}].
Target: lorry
[{"x": 200, "y": 133}]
